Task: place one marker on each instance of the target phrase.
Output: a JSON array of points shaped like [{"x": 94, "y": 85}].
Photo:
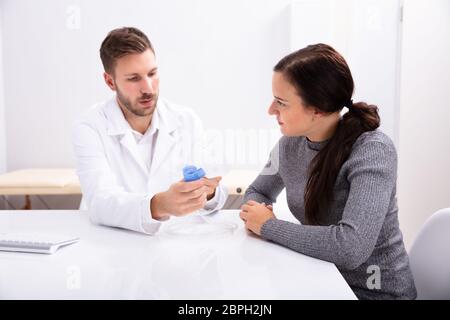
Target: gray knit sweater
[{"x": 360, "y": 231}]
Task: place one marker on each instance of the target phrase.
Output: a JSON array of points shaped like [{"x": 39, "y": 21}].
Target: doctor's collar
[{"x": 118, "y": 125}]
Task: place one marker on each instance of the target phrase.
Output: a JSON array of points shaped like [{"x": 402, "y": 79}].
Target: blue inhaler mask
[{"x": 191, "y": 173}]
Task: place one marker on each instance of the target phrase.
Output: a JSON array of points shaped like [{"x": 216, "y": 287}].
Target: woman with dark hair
[{"x": 340, "y": 177}]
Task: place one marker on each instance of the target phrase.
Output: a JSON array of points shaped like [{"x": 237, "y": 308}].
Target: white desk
[{"x": 111, "y": 263}]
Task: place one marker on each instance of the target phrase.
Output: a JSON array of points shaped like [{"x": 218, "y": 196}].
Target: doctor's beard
[{"x": 134, "y": 107}]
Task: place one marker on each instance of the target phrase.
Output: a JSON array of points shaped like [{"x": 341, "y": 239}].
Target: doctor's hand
[
  {"x": 181, "y": 198},
  {"x": 255, "y": 214},
  {"x": 211, "y": 184}
]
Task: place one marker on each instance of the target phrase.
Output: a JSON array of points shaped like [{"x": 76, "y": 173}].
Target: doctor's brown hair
[
  {"x": 323, "y": 80},
  {"x": 120, "y": 42}
]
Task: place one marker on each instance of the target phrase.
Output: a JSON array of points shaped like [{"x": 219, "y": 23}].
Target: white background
[{"x": 214, "y": 56}]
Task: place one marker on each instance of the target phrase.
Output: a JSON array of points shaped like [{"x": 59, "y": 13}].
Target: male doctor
[{"x": 130, "y": 150}]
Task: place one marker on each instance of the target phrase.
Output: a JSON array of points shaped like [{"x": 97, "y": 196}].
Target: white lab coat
[{"x": 117, "y": 186}]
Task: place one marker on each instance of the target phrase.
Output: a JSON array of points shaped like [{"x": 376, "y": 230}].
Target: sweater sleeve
[
  {"x": 268, "y": 185},
  {"x": 349, "y": 243}
]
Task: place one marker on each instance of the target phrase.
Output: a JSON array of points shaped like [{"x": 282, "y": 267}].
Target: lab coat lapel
[
  {"x": 166, "y": 140},
  {"x": 164, "y": 144},
  {"x": 128, "y": 141},
  {"x": 119, "y": 127}
]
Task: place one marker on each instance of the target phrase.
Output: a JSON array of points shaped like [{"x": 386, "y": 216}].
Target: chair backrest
[{"x": 430, "y": 257}]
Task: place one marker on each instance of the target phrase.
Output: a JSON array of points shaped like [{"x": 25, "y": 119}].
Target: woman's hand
[{"x": 255, "y": 214}]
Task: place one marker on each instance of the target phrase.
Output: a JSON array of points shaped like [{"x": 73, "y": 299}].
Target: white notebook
[{"x": 34, "y": 242}]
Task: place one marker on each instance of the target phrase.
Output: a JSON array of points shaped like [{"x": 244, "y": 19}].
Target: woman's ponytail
[{"x": 326, "y": 165}]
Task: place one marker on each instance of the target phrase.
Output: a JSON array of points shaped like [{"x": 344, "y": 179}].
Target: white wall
[
  {"x": 424, "y": 150},
  {"x": 2, "y": 106},
  {"x": 215, "y": 56}
]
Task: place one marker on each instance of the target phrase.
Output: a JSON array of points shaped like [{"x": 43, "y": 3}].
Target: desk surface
[{"x": 112, "y": 263}]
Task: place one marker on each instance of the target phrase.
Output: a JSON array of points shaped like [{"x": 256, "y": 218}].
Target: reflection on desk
[{"x": 213, "y": 258}]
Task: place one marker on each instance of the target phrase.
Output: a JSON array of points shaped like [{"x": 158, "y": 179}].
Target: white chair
[{"x": 430, "y": 257}]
